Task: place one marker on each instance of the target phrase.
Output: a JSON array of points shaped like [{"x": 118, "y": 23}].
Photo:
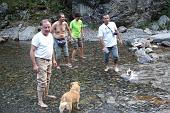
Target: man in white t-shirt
[
  {"x": 108, "y": 35},
  {"x": 41, "y": 54}
]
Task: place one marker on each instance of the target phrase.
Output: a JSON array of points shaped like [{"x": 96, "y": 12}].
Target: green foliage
[
  {"x": 144, "y": 25},
  {"x": 56, "y": 6},
  {"x": 166, "y": 9},
  {"x": 93, "y": 26},
  {"x": 19, "y": 4},
  {"x": 37, "y": 9}
]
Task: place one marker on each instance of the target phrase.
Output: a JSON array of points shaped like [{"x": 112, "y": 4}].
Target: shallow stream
[{"x": 101, "y": 92}]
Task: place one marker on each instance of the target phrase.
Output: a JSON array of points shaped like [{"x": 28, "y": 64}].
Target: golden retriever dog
[{"x": 70, "y": 98}]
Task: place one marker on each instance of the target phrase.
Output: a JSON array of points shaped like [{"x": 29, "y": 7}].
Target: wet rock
[
  {"x": 3, "y": 8},
  {"x": 27, "y": 33},
  {"x": 163, "y": 21},
  {"x": 158, "y": 38},
  {"x": 111, "y": 100},
  {"x": 165, "y": 43},
  {"x": 148, "y": 31},
  {"x": 122, "y": 29},
  {"x": 4, "y": 24},
  {"x": 2, "y": 40}
]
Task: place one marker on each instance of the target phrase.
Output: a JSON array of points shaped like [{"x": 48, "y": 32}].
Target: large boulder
[
  {"x": 164, "y": 21},
  {"x": 2, "y": 40},
  {"x": 123, "y": 12},
  {"x": 19, "y": 33},
  {"x": 3, "y": 8},
  {"x": 158, "y": 38},
  {"x": 27, "y": 33},
  {"x": 11, "y": 33}
]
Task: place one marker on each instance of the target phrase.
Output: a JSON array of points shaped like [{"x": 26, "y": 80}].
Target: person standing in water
[
  {"x": 42, "y": 57},
  {"x": 61, "y": 34},
  {"x": 76, "y": 27},
  {"x": 108, "y": 35}
]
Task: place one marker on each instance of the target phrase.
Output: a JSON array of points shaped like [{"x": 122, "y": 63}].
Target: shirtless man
[{"x": 61, "y": 32}]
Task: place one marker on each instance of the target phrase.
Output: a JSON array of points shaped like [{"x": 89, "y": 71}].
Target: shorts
[
  {"x": 58, "y": 49},
  {"x": 77, "y": 43},
  {"x": 114, "y": 52},
  {"x": 44, "y": 74}
]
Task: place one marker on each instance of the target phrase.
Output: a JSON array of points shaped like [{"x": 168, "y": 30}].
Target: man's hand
[
  {"x": 82, "y": 36},
  {"x": 54, "y": 63},
  {"x": 36, "y": 68},
  {"x": 121, "y": 43},
  {"x": 105, "y": 49},
  {"x": 69, "y": 39}
]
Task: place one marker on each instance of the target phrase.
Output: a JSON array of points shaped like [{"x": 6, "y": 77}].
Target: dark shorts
[{"x": 77, "y": 43}]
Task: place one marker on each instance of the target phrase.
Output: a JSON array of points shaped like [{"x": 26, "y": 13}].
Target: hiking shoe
[
  {"x": 42, "y": 105},
  {"x": 106, "y": 69},
  {"x": 83, "y": 57},
  {"x": 58, "y": 67},
  {"x": 51, "y": 96},
  {"x": 116, "y": 69},
  {"x": 69, "y": 65},
  {"x": 74, "y": 60}
]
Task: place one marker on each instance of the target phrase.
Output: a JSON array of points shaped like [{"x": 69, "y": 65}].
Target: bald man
[{"x": 42, "y": 57}]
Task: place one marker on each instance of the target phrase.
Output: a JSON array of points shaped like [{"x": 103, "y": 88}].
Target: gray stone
[
  {"x": 122, "y": 29},
  {"x": 154, "y": 26},
  {"x": 161, "y": 37},
  {"x": 111, "y": 100},
  {"x": 3, "y": 8},
  {"x": 28, "y": 33},
  {"x": 2, "y": 40},
  {"x": 148, "y": 31},
  {"x": 165, "y": 43},
  {"x": 163, "y": 21}
]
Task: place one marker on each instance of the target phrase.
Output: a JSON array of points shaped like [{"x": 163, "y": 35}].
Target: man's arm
[
  {"x": 32, "y": 55},
  {"x": 82, "y": 30},
  {"x": 53, "y": 27},
  {"x": 54, "y": 60},
  {"x": 100, "y": 36},
  {"x": 101, "y": 42},
  {"x": 119, "y": 37},
  {"x": 69, "y": 31}
]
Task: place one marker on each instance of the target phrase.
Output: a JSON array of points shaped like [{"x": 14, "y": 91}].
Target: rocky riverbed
[{"x": 101, "y": 92}]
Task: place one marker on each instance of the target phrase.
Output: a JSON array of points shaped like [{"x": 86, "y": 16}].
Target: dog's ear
[
  {"x": 71, "y": 84},
  {"x": 129, "y": 72}
]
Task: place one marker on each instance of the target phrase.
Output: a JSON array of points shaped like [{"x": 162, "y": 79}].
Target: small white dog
[{"x": 131, "y": 75}]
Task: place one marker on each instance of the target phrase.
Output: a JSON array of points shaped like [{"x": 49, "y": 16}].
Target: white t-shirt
[
  {"x": 106, "y": 34},
  {"x": 44, "y": 45}
]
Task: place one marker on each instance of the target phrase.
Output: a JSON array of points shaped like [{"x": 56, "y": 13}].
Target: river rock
[
  {"x": 27, "y": 33},
  {"x": 158, "y": 38},
  {"x": 163, "y": 21},
  {"x": 2, "y": 40},
  {"x": 165, "y": 43},
  {"x": 3, "y": 8}
]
